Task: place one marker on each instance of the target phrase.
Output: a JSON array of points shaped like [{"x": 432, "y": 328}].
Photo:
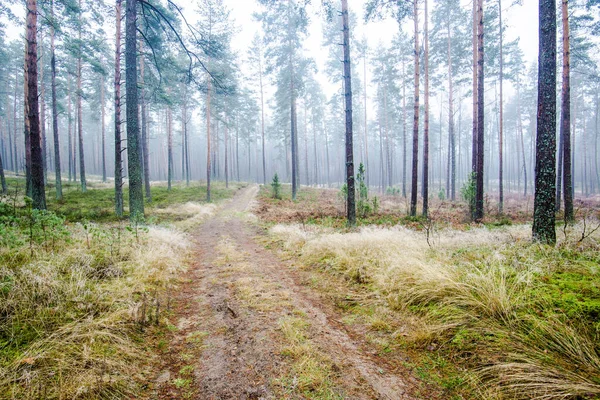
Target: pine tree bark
[
  {"x": 57, "y": 172},
  {"x": 26, "y": 120},
  {"x": 42, "y": 100},
  {"x": 262, "y": 119},
  {"x": 37, "y": 167},
  {"x": 208, "y": 139},
  {"x": 169, "y": 147},
  {"x": 451, "y": 135},
  {"x": 480, "y": 117},
  {"x": 426, "y": 118},
  {"x": 351, "y": 207},
  {"x": 403, "y": 131},
  {"x": 103, "y": 128},
  {"x": 145, "y": 152},
  {"x": 565, "y": 118},
  {"x": 134, "y": 165},
  {"x": 71, "y": 154},
  {"x": 545, "y": 160},
  {"x": 501, "y": 125},
  {"x": 475, "y": 108},
  {"x": 3, "y": 187},
  {"x": 367, "y": 169},
  {"x": 80, "y": 108},
  {"x": 117, "y": 89},
  {"x": 415, "y": 150}
]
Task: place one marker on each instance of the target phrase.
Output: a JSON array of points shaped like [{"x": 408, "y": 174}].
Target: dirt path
[{"x": 248, "y": 329}]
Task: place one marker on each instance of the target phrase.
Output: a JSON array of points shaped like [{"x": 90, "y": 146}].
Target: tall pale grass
[
  {"x": 70, "y": 319},
  {"x": 453, "y": 287}
]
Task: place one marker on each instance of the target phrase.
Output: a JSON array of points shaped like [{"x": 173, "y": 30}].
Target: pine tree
[
  {"x": 37, "y": 167},
  {"x": 134, "y": 160},
  {"x": 545, "y": 161},
  {"x": 117, "y": 105}
]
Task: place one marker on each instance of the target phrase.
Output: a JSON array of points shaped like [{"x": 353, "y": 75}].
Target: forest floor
[
  {"x": 281, "y": 300},
  {"x": 248, "y": 325}
]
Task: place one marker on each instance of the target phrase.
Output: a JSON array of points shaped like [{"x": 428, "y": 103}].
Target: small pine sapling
[{"x": 276, "y": 187}]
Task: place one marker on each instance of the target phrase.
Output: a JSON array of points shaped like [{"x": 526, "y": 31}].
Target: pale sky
[{"x": 522, "y": 21}]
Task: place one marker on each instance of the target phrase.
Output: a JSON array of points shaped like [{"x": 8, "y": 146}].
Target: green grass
[
  {"x": 482, "y": 314},
  {"x": 79, "y": 292},
  {"x": 97, "y": 203}
]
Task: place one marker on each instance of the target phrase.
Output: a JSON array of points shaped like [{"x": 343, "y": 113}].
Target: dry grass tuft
[
  {"x": 70, "y": 319},
  {"x": 482, "y": 290}
]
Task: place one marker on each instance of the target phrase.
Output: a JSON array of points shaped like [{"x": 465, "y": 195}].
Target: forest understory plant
[{"x": 520, "y": 317}]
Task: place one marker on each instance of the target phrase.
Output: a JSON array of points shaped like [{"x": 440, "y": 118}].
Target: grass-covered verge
[
  {"x": 83, "y": 304},
  {"x": 97, "y": 203},
  {"x": 326, "y": 207},
  {"x": 482, "y": 313}
]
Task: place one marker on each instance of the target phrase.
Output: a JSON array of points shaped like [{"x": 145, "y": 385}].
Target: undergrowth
[
  {"x": 78, "y": 297},
  {"x": 521, "y": 318}
]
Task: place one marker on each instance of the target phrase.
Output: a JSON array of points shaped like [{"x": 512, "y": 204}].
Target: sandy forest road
[{"x": 239, "y": 311}]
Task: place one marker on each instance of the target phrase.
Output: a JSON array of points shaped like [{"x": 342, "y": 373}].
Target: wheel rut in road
[{"x": 248, "y": 329}]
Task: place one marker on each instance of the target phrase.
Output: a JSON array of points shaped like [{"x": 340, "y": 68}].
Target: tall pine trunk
[
  {"x": 451, "y": 186},
  {"x": 426, "y": 119},
  {"x": 501, "y": 126},
  {"x": 145, "y": 152},
  {"x": 42, "y": 100},
  {"x": 117, "y": 87},
  {"x": 103, "y": 122},
  {"x": 37, "y": 167},
  {"x": 57, "y": 173},
  {"x": 26, "y": 107},
  {"x": 208, "y": 139},
  {"x": 545, "y": 158},
  {"x": 565, "y": 117},
  {"x": 480, "y": 117},
  {"x": 351, "y": 208},
  {"x": 134, "y": 165},
  {"x": 80, "y": 108},
  {"x": 169, "y": 147},
  {"x": 403, "y": 131},
  {"x": 262, "y": 120},
  {"x": 415, "y": 150}
]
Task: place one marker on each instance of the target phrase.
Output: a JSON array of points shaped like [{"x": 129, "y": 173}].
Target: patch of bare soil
[{"x": 248, "y": 328}]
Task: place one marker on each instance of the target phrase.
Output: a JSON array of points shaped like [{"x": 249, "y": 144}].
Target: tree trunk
[
  {"x": 351, "y": 207},
  {"x": 262, "y": 120},
  {"x": 145, "y": 152},
  {"x": 37, "y": 167},
  {"x": 293, "y": 116},
  {"x": 136, "y": 195},
  {"x": 58, "y": 181},
  {"x": 480, "y": 117},
  {"x": 426, "y": 119},
  {"x": 451, "y": 134},
  {"x": 501, "y": 128},
  {"x": 475, "y": 108},
  {"x": 403, "y": 131},
  {"x": 26, "y": 107},
  {"x": 118, "y": 151},
  {"x": 15, "y": 152},
  {"x": 565, "y": 119},
  {"x": 80, "y": 109},
  {"x": 545, "y": 160},
  {"x": 415, "y": 150},
  {"x": 226, "y": 138},
  {"x": 306, "y": 147},
  {"x": 42, "y": 100},
  {"x": 103, "y": 121},
  {"x": 3, "y": 187},
  {"x": 169, "y": 147},
  {"x": 208, "y": 144},
  {"x": 366, "y": 130}
]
